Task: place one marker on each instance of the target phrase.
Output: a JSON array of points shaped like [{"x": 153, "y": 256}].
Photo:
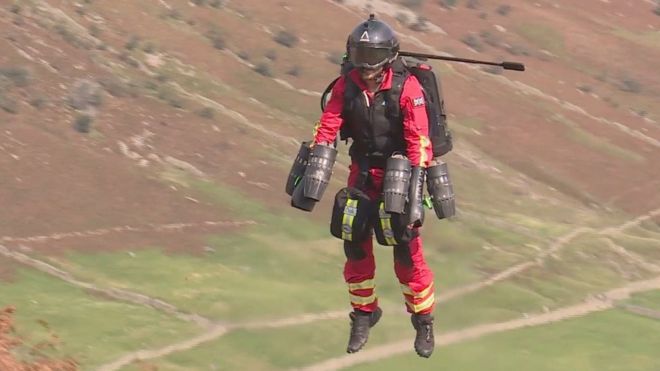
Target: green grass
[
  {"x": 279, "y": 349},
  {"x": 648, "y": 247},
  {"x": 607, "y": 341},
  {"x": 296, "y": 346},
  {"x": 645, "y": 39},
  {"x": 650, "y": 299},
  {"x": 543, "y": 36},
  {"x": 92, "y": 330},
  {"x": 246, "y": 277},
  {"x": 583, "y": 267},
  {"x": 599, "y": 144}
]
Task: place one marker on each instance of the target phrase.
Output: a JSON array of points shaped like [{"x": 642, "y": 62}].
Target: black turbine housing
[
  {"x": 298, "y": 167},
  {"x": 396, "y": 184},
  {"x": 441, "y": 190},
  {"x": 318, "y": 171}
]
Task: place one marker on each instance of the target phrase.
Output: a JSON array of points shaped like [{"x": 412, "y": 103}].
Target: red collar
[{"x": 386, "y": 84}]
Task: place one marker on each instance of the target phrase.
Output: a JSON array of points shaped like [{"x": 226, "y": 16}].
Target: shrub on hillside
[
  {"x": 271, "y": 54},
  {"x": 472, "y": 4},
  {"x": 517, "y": 50},
  {"x": 17, "y": 76},
  {"x": 95, "y": 31},
  {"x": 286, "y": 38},
  {"x": 495, "y": 70},
  {"x": 473, "y": 42},
  {"x": 413, "y": 4},
  {"x": 206, "y": 112},
  {"x": 149, "y": 47},
  {"x": 447, "y": 3},
  {"x": 132, "y": 43},
  {"x": 170, "y": 95},
  {"x": 490, "y": 38},
  {"x": 630, "y": 85},
  {"x": 421, "y": 25},
  {"x": 115, "y": 86},
  {"x": 243, "y": 55},
  {"x": 38, "y": 102},
  {"x": 217, "y": 38},
  {"x": 83, "y": 123},
  {"x": 8, "y": 104},
  {"x": 85, "y": 93},
  {"x": 402, "y": 18},
  {"x": 263, "y": 69},
  {"x": 585, "y": 88},
  {"x": 217, "y": 3},
  {"x": 294, "y": 71},
  {"x": 174, "y": 14},
  {"x": 504, "y": 10}
]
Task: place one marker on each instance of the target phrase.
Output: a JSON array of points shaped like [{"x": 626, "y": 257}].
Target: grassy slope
[
  {"x": 611, "y": 340},
  {"x": 266, "y": 273},
  {"x": 90, "y": 329},
  {"x": 288, "y": 265}
]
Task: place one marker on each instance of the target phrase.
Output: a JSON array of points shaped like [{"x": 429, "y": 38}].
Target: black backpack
[{"x": 439, "y": 133}]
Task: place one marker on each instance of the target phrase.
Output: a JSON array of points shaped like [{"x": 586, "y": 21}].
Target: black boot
[
  {"x": 361, "y": 322},
  {"x": 424, "y": 341}
]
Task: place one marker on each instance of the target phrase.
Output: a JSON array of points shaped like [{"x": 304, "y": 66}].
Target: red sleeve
[
  {"x": 415, "y": 123},
  {"x": 328, "y": 126}
]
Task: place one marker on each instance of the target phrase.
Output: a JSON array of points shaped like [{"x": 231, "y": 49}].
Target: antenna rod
[{"x": 514, "y": 66}]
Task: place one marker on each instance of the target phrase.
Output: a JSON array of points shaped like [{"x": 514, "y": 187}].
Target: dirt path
[
  {"x": 554, "y": 248},
  {"x": 213, "y": 333},
  {"x": 127, "y": 228},
  {"x": 606, "y": 301},
  {"x": 113, "y": 293}
]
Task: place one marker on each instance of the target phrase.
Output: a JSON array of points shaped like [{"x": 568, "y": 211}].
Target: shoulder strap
[{"x": 399, "y": 76}]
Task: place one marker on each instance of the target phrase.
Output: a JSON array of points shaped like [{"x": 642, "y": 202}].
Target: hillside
[{"x": 144, "y": 149}]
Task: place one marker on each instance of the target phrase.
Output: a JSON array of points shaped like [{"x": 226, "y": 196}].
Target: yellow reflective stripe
[
  {"x": 424, "y": 143},
  {"x": 316, "y": 129},
  {"x": 386, "y": 225},
  {"x": 426, "y": 304},
  {"x": 368, "y": 284},
  {"x": 361, "y": 300},
  {"x": 347, "y": 221},
  {"x": 406, "y": 290}
]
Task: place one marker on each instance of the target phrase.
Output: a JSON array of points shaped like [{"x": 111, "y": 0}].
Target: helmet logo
[{"x": 365, "y": 36}]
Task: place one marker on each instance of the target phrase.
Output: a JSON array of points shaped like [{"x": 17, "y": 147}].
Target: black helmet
[{"x": 372, "y": 44}]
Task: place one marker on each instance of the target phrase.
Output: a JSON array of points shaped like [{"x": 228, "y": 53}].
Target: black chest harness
[{"x": 376, "y": 126}]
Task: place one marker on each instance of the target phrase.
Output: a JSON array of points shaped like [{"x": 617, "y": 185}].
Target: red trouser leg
[
  {"x": 360, "y": 266},
  {"x": 415, "y": 277},
  {"x": 359, "y": 272}
]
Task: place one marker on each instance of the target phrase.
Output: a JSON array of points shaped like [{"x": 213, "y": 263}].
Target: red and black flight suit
[{"x": 377, "y": 137}]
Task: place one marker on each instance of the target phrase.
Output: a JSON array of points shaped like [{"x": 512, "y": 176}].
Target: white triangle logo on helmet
[{"x": 365, "y": 36}]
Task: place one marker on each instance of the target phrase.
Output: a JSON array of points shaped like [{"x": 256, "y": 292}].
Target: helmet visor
[{"x": 369, "y": 57}]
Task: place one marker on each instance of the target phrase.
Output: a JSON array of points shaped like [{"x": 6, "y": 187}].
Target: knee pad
[
  {"x": 351, "y": 215},
  {"x": 354, "y": 251}
]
